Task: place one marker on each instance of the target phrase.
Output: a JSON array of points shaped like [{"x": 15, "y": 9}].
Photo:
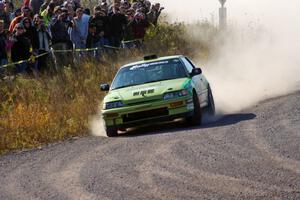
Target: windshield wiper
[{"x": 158, "y": 80}]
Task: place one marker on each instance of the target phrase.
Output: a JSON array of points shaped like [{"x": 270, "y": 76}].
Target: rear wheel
[
  {"x": 111, "y": 132},
  {"x": 211, "y": 103},
  {"x": 196, "y": 118}
]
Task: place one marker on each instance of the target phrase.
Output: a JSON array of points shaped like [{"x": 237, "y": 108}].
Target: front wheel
[
  {"x": 211, "y": 103},
  {"x": 111, "y": 132},
  {"x": 196, "y": 118}
]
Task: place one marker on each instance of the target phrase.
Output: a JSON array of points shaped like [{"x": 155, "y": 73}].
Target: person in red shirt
[
  {"x": 26, "y": 3},
  {"x": 26, "y": 12}
]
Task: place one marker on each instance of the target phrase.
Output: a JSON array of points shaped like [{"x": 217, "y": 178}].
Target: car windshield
[{"x": 149, "y": 72}]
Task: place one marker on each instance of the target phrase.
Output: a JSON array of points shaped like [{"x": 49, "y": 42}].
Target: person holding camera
[
  {"x": 20, "y": 50},
  {"x": 43, "y": 43}
]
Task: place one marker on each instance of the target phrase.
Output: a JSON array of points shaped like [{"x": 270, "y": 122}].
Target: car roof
[{"x": 153, "y": 60}]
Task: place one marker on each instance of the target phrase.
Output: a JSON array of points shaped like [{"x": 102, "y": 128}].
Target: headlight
[
  {"x": 111, "y": 105},
  {"x": 173, "y": 95}
]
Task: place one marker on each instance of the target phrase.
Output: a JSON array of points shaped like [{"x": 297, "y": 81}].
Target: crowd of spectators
[{"x": 41, "y": 25}]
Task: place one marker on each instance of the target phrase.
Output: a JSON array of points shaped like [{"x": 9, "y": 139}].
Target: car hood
[{"x": 146, "y": 92}]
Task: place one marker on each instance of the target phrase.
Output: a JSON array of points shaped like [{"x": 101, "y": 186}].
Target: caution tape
[
  {"x": 31, "y": 59},
  {"x": 131, "y": 41},
  {"x": 34, "y": 57}
]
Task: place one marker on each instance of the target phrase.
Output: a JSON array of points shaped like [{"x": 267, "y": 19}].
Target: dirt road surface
[{"x": 254, "y": 154}]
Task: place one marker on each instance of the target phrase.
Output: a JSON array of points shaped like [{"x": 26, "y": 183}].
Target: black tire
[
  {"x": 196, "y": 118},
  {"x": 211, "y": 103},
  {"x": 111, "y": 132}
]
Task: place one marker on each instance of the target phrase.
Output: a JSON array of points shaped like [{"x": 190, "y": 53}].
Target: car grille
[
  {"x": 145, "y": 114},
  {"x": 142, "y": 102}
]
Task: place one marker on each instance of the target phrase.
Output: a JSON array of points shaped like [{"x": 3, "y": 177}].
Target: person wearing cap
[
  {"x": 26, "y": 12},
  {"x": 20, "y": 49},
  {"x": 3, "y": 49},
  {"x": 4, "y": 15}
]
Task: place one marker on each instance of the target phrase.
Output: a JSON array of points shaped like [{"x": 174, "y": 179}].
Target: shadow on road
[{"x": 180, "y": 125}]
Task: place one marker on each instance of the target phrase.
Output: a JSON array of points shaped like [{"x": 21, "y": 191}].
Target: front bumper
[{"x": 148, "y": 113}]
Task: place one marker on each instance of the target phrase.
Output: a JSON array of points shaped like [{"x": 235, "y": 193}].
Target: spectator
[
  {"x": 4, "y": 15},
  {"x": 126, "y": 4},
  {"x": 3, "y": 42},
  {"x": 30, "y": 32},
  {"x": 59, "y": 31},
  {"x": 35, "y": 5},
  {"x": 104, "y": 7},
  {"x": 44, "y": 5},
  {"x": 70, "y": 8},
  {"x": 48, "y": 13},
  {"x": 20, "y": 48},
  {"x": 47, "y": 2},
  {"x": 77, "y": 4},
  {"x": 26, "y": 12},
  {"x": 154, "y": 13},
  {"x": 118, "y": 22},
  {"x": 17, "y": 13},
  {"x": 87, "y": 11},
  {"x": 139, "y": 25},
  {"x": 99, "y": 27},
  {"x": 60, "y": 38},
  {"x": 9, "y": 9},
  {"x": 147, "y": 6},
  {"x": 43, "y": 43},
  {"x": 79, "y": 31},
  {"x": 128, "y": 32}
]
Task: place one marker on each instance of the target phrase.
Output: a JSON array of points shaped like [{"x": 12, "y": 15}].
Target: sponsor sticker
[{"x": 148, "y": 65}]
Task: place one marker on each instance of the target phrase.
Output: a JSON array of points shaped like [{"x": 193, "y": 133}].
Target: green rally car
[{"x": 154, "y": 90}]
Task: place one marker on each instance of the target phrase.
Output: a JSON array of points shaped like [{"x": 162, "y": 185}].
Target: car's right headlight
[
  {"x": 173, "y": 95},
  {"x": 112, "y": 105}
]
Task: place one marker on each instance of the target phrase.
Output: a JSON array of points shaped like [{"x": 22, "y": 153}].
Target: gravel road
[{"x": 254, "y": 154}]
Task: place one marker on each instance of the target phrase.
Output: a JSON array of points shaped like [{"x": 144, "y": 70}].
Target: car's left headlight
[
  {"x": 173, "y": 95},
  {"x": 111, "y": 105}
]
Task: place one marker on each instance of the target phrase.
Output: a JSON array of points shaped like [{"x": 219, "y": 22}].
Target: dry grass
[{"x": 36, "y": 111}]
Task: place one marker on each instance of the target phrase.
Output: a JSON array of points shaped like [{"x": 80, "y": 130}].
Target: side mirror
[
  {"x": 195, "y": 72},
  {"x": 104, "y": 87}
]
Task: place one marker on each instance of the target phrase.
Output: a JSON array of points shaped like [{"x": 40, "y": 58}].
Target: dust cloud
[
  {"x": 257, "y": 57},
  {"x": 97, "y": 126}
]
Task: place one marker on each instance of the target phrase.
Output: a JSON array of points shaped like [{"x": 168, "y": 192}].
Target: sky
[{"x": 239, "y": 11}]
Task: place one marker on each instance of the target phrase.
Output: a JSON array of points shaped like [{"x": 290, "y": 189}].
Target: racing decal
[
  {"x": 187, "y": 84},
  {"x": 143, "y": 92},
  {"x": 148, "y": 64}
]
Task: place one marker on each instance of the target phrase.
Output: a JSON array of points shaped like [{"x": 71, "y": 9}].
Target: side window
[{"x": 188, "y": 65}]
